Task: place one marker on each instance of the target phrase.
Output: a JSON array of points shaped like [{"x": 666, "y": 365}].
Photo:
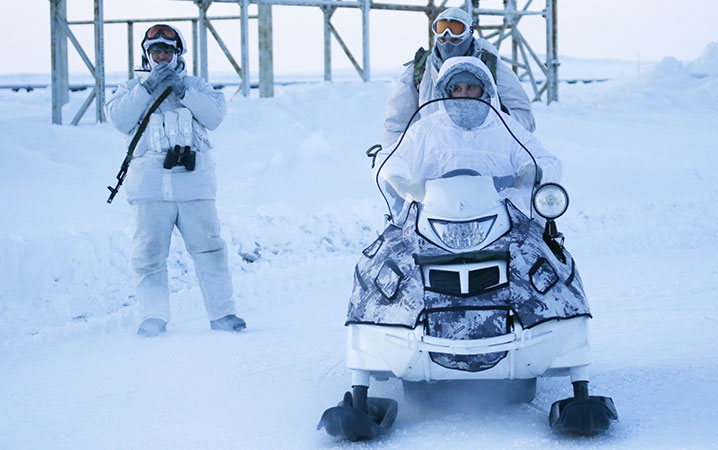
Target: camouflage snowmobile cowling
[{"x": 389, "y": 288}]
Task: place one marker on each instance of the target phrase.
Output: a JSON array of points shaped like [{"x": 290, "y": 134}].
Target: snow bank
[
  {"x": 707, "y": 63},
  {"x": 671, "y": 84},
  {"x": 293, "y": 181}
]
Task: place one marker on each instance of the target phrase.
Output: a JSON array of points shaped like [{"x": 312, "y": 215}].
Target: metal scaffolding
[{"x": 522, "y": 58}]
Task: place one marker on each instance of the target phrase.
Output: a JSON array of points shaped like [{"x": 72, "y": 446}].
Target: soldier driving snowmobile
[{"x": 464, "y": 284}]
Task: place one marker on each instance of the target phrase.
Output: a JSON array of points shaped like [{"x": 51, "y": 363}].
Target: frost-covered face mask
[
  {"x": 172, "y": 63},
  {"x": 449, "y": 50},
  {"x": 467, "y": 114}
]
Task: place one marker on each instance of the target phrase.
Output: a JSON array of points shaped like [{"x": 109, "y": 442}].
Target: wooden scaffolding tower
[{"x": 499, "y": 25}]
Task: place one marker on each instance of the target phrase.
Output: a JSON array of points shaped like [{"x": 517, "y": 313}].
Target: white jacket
[
  {"x": 405, "y": 100},
  {"x": 435, "y": 145},
  {"x": 146, "y": 178}
]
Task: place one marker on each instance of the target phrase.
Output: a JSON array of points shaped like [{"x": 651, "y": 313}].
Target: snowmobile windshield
[
  {"x": 463, "y": 133},
  {"x": 400, "y": 191}
]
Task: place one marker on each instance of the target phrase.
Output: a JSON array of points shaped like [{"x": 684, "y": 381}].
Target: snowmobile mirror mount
[
  {"x": 554, "y": 239},
  {"x": 371, "y": 152}
]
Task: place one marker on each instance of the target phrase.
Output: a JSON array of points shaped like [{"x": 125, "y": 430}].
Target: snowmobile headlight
[
  {"x": 464, "y": 234},
  {"x": 550, "y": 201}
]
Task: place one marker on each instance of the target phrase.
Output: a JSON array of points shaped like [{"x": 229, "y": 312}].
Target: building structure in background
[{"x": 499, "y": 25}]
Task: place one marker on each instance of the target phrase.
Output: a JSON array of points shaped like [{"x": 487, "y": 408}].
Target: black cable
[{"x": 533, "y": 187}]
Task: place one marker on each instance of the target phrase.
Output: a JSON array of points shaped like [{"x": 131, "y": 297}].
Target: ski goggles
[
  {"x": 450, "y": 28},
  {"x": 161, "y": 47},
  {"x": 161, "y": 31}
]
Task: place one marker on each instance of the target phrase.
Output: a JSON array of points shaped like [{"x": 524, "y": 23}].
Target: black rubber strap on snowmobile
[
  {"x": 135, "y": 139},
  {"x": 462, "y": 258}
]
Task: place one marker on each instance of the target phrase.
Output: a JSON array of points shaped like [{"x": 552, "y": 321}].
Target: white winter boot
[
  {"x": 152, "y": 327},
  {"x": 228, "y": 323}
]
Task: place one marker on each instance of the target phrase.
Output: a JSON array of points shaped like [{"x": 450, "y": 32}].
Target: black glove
[
  {"x": 177, "y": 82},
  {"x": 156, "y": 78}
]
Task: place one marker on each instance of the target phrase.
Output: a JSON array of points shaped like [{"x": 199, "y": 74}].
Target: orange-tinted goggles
[
  {"x": 453, "y": 28},
  {"x": 161, "y": 30}
]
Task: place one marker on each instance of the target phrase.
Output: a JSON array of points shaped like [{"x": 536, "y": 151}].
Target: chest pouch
[{"x": 157, "y": 138}]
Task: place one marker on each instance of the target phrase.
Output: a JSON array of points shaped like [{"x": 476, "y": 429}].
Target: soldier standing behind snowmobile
[
  {"x": 417, "y": 84},
  {"x": 171, "y": 181}
]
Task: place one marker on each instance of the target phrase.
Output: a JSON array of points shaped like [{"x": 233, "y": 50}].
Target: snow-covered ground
[{"x": 297, "y": 204}]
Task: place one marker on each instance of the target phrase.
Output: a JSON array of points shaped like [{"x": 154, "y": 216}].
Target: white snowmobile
[{"x": 468, "y": 287}]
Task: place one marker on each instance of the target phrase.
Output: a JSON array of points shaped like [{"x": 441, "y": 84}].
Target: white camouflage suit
[
  {"x": 405, "y": 99},
  {"x": 436, "y": 145},
  {"x": 165, "y": 198}
]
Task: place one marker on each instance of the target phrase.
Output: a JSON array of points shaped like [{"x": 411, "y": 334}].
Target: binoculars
[{"x": 179, "y": 156}]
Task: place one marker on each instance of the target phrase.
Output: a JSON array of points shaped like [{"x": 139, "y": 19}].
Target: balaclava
[
  {"x": 466, "y": 114},
  {"x": 166, "y": 39},
  {"x": 448, "y": 49}
]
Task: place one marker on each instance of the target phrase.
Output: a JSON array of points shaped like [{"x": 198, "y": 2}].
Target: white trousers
[{"x": 198, "y": 223}]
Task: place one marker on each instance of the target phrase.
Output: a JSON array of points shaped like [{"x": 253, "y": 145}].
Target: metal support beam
[
  {"x": 55, "y": 63},
  {"x": 130, "y": 50},
  {"x": 203, "y": 57},
  {"x": 223, "y": 47},
  {"x": 366, "y": 56},
  {"x": 328, "y": 12},
  {"x": 551, "y": 51},
  {"x": 195, "y": 49},
  {"x": 81, "y": 112},
  {"x": 510, "y": 6},
  {"x": 244, "y": 31},
  {"x": 346, "y": 50},
  {"x": 78, "y": 47},
  {"x": 529, "y": 72},
  {"x": 62, "y": 48},
  {"x": 99, "y": 62},
  {"x": 266, "y": 56}
]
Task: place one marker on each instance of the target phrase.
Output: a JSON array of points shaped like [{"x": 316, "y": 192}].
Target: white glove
[
  {"x": 406, "y": 189},
  {"x": 525, "y": 175}
]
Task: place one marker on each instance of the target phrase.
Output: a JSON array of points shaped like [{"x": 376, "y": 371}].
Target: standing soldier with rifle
[{"x": 171, "y": 182}]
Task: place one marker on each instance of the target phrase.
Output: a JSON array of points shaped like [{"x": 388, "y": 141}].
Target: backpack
[{"x": 421, "y": 56}]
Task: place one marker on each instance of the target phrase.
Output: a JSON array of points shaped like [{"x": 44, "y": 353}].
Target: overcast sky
[{"x": 616, "y": 29}]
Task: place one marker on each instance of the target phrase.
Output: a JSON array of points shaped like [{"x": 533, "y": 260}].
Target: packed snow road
[{"x": 297, "y": 206}]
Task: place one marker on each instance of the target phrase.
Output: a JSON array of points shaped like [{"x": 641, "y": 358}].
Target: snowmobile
[{"x": 468, "y": 287}]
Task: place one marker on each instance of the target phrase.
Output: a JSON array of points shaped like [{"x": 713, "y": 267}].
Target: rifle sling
[
  {"x": 135, "y": 139},
  {"x": 145, "y": 121}
]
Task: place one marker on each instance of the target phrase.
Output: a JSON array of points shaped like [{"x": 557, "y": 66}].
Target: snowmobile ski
[
  {"x": 358, "y": 417},
  {"x": 582, "y": 414}
]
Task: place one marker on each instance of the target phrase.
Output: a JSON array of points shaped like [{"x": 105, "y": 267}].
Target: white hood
[
  {"x": 177, "y": 60},
  {"x": 468, "y": 114}
]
